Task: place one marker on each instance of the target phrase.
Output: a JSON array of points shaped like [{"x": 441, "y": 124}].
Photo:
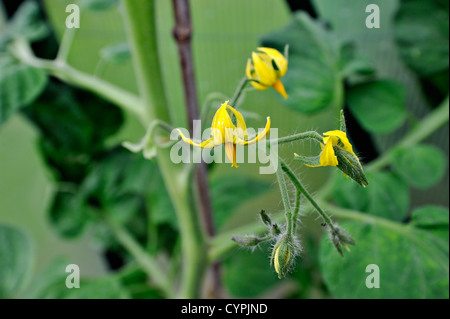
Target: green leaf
[
  {"x": 349, "y": 194},
  {"x": 313, "y": 81},
  {"x": 116, "y": 53},
  {"x": 379, "y": 106},
  {"x": 50, "y": 283},
  {"x": 28, "y": 23},
  {"x": 386, "y": 195},
  {"x": 389, "y": 196},
  {"x": 422, "y": 33},
  {"x": 16, "y": 257},
  {"x": 430, "y": 216},
  {"x": 69, "y": 214},
  {"x": 73, "y": 125},
  {"x": 104, "y": 288},
  {"x": 248, "y": 275},
  {"x": 19, "y": 86},
  {"x": 435, "y": 220},
  {"x": 98, "y": 5},
  {"x": 229, "y": 192},
  {"x": 422, "y": 166},
  {"x": 410, "y": 264}
]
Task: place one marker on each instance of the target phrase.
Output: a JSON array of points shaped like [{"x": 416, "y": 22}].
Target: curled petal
[
  {"x": 261, "y": 135},
  {"x": 279, "y": 87},
  {"x": 205, "y": 144},
  {"x": 328, "y": 157}
]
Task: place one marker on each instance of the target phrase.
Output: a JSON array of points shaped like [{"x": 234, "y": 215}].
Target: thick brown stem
[{"x": 182, "y": 33}]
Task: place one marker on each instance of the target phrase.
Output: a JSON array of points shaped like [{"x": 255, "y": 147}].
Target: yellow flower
[
  {"x": 337, "y": 151},
  {"x": 266, "y": 67},
  {"x": 333, "y": 138},
  {"x": 223, "y": 131}
]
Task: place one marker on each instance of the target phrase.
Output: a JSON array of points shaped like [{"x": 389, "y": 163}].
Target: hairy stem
[{"x": 296, "y": 137}]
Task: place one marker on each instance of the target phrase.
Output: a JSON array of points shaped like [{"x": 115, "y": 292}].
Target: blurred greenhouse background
[{"x": 224, "y": 34}]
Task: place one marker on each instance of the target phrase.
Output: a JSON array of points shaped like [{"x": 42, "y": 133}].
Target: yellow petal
[
  {"x": 328, "y": 157},
  {"x": 276, "y": 263},
  {"x": 343, "y": 137},
  {"x": 261, "y": 136},
  {"x": 265, "y": 72},
  {"x": 279, "y": 87},
  {"x": 242, "y": 127},
  {"x": 230, "y": 150},
  {"x": 279, "y": 59},
  {"x": 205, "y": 144}
]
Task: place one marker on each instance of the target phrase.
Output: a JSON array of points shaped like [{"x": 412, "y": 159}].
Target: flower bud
[
  {"x": 339, "y": 237},
  {"x": 249, "y": 240},
  {"x": 283, "y": 255},
  {"x": 350, "y": 166}
]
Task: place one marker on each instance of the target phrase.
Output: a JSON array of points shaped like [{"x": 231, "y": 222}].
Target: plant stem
[
  {"x": 66, "y": 73},
  {"x": 424, "y": 129},
  {"x": 148, "y": 264},
  {"x": 298, "y": 195},
  {"x": 300, "y": 136},
  {"x": 238, "y": 92},
  {"x": 182, "y": 32},
  {"x": 285, "y": 198},
  {"x": 140, "y": 22},
  {"x": 303, "y": 190}
]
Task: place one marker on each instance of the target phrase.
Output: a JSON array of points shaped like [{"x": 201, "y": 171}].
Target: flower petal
[
  {"x": 205, "y": 144},
  {"x": 266, "y": 73},
  {"x": 328, "y": 157},
  {"x": 279, "y": 87},
  {"x": 241, "y": 126},
  {"x": 279, "y": 59},
  {"x": 261, "y": 135},
  {"x": 230, "y": 150}
]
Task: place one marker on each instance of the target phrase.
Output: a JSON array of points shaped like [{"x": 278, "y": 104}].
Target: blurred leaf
[
  {"x": 435, "y": 220},
  {"x": 74, "y": 125},
  {"x": 389, "y": 196},
  {"x": 248, "y": 275},
  {"x": 19, "y": 86},
  {"x": 104, "y": 288},
  {"x": 349, "y": 194},
  {"x": 97, "y": 5},
  {"x": 352, "y": 64},
  {"x": 137, "y": 286},
  {"x": 410, "y": 264},
  {"x": 28, "y": 23},
  {"x": 116, "y": 53},
  {"x": 228, "y": 193},
  {"x": 379, "y": 106},
  {"x": 313, "y": 78},
  {"x": 386, "y": 195},
  {"x": 16, "y": 257},
  {"x": 422, "y": 33},
  {"x": 422, "y": 166},
  {"x": 430, "y": 217},
  {"x": 69, "y": 214},
  {"x": 51, "y": 282}
]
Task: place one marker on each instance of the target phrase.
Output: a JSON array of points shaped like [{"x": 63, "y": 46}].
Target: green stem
[
  {"x": 285, "y": 198},
  {"x": 427, "y": 126},
  {"x": 140, "y": 23},
  {"x": 298, "y": 195},
  {"x": 300, "y": 136},
  {"x": 147, "y": 263},
  {"x": 238, "y": 92},
  {"x": 303, "y": 190},
  {"x": 66, "y": 73}
]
